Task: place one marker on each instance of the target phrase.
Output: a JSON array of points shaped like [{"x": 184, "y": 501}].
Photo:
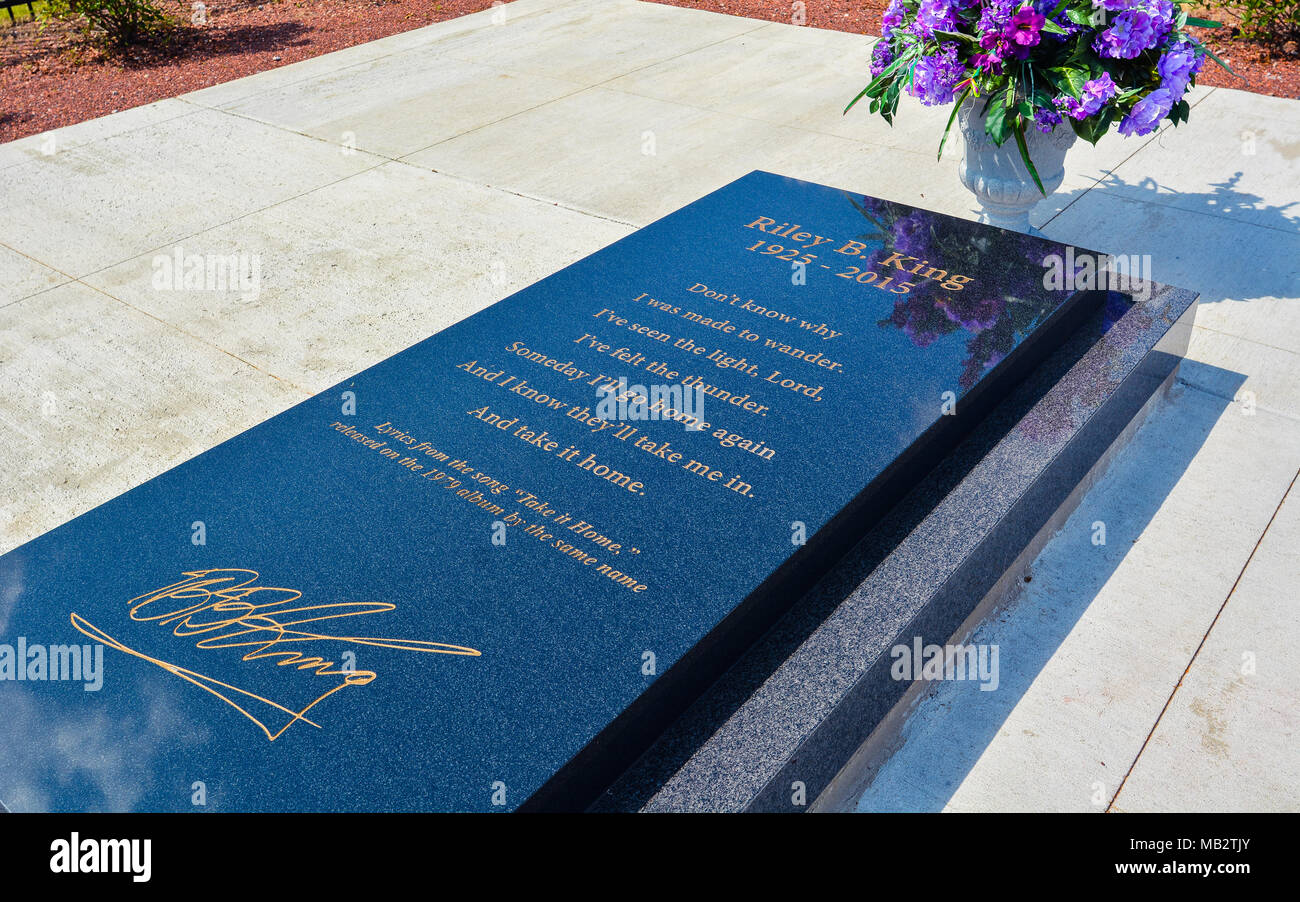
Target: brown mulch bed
[
  {"x": 53, "y": 76},
  {"x": 1264, "y": 70}
]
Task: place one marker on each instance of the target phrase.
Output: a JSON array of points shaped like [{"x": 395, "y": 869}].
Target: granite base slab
[{"x": 772, "y": 733}]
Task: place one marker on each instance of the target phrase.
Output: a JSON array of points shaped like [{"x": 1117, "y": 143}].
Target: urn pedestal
[{"x": 998, "y": 177}]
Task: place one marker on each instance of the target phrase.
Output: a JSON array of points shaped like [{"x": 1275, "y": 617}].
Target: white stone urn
[{"x": 998, "y": 176}]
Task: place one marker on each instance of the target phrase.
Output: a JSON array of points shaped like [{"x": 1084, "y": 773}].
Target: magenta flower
[{"x": 1025, "y": 27}]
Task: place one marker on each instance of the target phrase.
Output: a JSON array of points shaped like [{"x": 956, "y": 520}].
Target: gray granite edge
[{"x": 736, "y": 763}]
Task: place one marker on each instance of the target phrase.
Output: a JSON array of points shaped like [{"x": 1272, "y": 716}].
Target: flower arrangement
[{"x": 1040, "y": 63}]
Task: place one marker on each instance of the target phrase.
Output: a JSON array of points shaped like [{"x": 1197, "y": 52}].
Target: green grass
[{"x": 21, "y": 13}]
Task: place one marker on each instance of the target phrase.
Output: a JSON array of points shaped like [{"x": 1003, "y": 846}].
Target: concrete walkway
[{"x": 388, "y": 190}]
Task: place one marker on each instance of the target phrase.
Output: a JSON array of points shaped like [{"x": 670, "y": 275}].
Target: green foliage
[
  {"x": 121, "y": 22},
  {"x": 1266, "y": 21}
]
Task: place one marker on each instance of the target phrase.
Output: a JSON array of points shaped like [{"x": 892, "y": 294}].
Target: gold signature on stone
[{"x": 227, "y": 609}]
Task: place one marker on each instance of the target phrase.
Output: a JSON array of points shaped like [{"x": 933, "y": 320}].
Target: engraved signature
[{"x": 227, "y": 609}]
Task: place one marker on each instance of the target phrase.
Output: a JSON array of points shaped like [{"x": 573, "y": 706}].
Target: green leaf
[
  {"x": 956, "y": 107},
  {"x": 889, "y": 103},
  {"x": 1041, "y": 99},
  {"x": 1086, "y": 129},
  {"x": 880, "y": 82},
  {"x": 1085, "y": 58},
  {"x": 1203, "y": 23},
  {"x": 954, "y": 36},
  {"x": 1079, "y": 16},
  {"x": 1024, "y": 155},
  {"x": 861, "y": 94},
  {"x": 1104, "y": 119},
  {"x": 1211, "y": 54},
  {"x": 1095, "y": 127},
  {"x": 1052, "y": 28},
  {"x": 1067, "y": 79},
  {"x": 995, "y": 121}
]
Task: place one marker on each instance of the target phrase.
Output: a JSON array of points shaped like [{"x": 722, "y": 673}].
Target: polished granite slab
[
  {"x": 818, "y": 693},
  {"x": 469, "y": 579}
]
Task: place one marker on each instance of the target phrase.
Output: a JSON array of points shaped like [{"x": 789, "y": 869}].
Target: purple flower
[
  {"x": 1024, "y": 28},
  {"x": 1130, "y": 34},
  {"x": 995, "y": 16},
  {"x": 1146, "y": 114},
  {"x": 1177, "y": 66},
  {"x": 1097, "y": 93},
  {"x": 935, "y": 15},
  {"x": 998, "y": 47},
  {"x": 881, "y": 56},
  {"x": 1061, "y": 20},
  {"x": 1046, "y": 118},
  {"x": 892, "y": 18},
  {"x": 1114, "y": 5},
  {"x": 935, "y": 77},
  {"x": 1136, "y": 29}
]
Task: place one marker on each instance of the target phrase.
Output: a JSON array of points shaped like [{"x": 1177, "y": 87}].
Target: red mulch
[
  {"x": 53, "y": 76},
  {"x": 56, "y": 77},
  {"x": 1264, "y": 70}
]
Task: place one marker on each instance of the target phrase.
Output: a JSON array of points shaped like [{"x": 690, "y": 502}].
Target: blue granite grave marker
[{"x": 484, "y": 573}]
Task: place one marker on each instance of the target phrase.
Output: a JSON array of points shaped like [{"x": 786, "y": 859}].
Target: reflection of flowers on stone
[
  {"x": 994, "y": 317},
  {"x": 972, "y": 311},
  {"x": 911, "y": 234},
  {"x": 920, "y": 319},
  {"x": 986, "y": 351}
]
